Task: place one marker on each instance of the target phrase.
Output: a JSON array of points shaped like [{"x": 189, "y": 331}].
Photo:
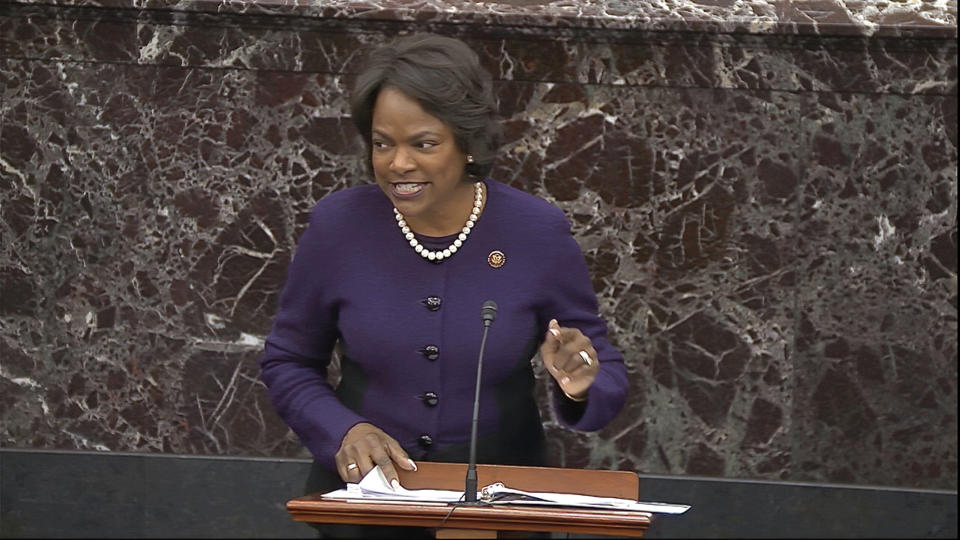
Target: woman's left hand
[{"x": 571, "y": 359}]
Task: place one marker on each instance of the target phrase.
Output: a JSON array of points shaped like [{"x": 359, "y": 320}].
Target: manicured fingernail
[
  {"x": 555, "y": 332},
  {"x": 554, "y": 323},
  {"x": 412, "y": 464},
  {"x": 395, "y": 484}
]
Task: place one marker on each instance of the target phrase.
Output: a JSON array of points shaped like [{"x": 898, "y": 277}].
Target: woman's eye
[{"x": 426, "y": 144}]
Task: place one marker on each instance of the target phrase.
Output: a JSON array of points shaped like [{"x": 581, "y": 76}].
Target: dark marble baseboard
[
  {"x": 56, "y": 494},
  {"x": 113, "y": 495}
]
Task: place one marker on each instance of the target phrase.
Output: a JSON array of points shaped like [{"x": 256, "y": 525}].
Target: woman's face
[{"x": 418, "y": 165}]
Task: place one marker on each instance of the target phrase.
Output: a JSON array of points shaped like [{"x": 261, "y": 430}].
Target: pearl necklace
[{"x": 440, "y": 255}]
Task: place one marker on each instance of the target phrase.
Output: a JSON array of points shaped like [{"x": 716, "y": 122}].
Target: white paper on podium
[
  {"x": 374, "y": 486},
  {"x": 499, "y": 494}
]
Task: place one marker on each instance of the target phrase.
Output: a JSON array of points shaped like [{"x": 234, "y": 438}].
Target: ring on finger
[
  {"x": 586, "y": 358},
  {"x": 352, "y": 466}
]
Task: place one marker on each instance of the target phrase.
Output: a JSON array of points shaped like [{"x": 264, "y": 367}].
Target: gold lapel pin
[{"x": 496, "y": 258}]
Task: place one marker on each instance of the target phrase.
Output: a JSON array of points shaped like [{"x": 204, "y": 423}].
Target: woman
[{"x": 395, "y": 272}]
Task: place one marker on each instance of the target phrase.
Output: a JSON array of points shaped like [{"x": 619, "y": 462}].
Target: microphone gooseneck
[{"x": 488, "y": 313}]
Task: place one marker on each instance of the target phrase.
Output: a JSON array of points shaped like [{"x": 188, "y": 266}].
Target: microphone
[{"x": 487, "y": 314}]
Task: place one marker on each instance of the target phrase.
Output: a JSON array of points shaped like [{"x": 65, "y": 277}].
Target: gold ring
[
  {"x": 352, "y": 466},
  {"x": 586, "y": 358}
]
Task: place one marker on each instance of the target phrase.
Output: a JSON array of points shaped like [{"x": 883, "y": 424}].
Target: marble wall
[{"x": 766, "y": 194}]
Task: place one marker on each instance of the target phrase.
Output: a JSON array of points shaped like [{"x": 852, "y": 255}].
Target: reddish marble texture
[{"x": 767, "y": 204}]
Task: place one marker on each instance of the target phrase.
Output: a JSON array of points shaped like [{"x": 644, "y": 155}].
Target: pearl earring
[{"x": 469, "y": 158}]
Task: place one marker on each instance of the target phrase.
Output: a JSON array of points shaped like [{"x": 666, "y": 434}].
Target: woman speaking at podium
[{"x": 394, "y": 273}]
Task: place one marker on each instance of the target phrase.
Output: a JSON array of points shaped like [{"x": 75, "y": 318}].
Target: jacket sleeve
[
  {"x": 297, "y": 351},
  {"x": 571, "y": 300}
]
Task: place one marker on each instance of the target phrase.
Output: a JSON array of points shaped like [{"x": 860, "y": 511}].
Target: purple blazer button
[{"x": 430, "y": 352}]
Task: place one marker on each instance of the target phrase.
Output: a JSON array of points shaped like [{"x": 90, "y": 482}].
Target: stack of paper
[
  {"x": 374, "y": 486},
  {"x": 500, "y": 494}
]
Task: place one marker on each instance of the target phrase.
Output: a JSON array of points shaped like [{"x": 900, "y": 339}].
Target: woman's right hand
[{"x": 366, "y": 446}]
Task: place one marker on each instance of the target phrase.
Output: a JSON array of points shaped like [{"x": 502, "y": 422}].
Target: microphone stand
[{"x": 488, "y": 313}]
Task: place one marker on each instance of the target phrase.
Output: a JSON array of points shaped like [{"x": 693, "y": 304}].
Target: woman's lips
[{"x": 407, "y": 190}]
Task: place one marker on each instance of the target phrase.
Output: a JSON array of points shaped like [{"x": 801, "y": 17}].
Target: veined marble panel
[
  {"x": 149, "y": 214},
  {"x": 693, "y": 264},
  {"x": 819, "y": 17},
  {"x": 635, "y": 57},
  {"x": 876, "y": 321}
]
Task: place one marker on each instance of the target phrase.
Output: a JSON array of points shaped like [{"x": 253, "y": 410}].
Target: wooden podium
[{"x": 452, "y": 521}]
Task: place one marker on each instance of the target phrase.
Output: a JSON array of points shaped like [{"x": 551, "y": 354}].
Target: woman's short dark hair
[{"x": 445, "y": 77}]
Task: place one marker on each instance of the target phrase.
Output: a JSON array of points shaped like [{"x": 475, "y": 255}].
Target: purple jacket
[{"x": 409, "y": 330}]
